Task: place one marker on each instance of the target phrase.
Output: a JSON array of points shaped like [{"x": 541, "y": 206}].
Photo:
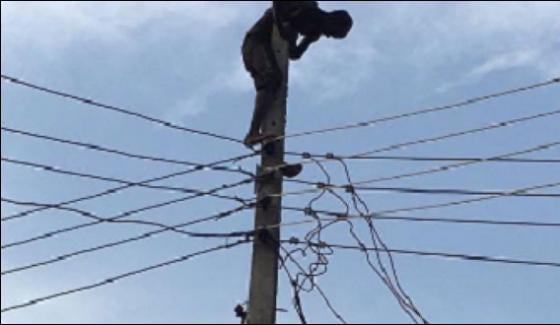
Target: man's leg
[
  {"x": 263, "y": 100},
  {"x": 267, "y": 82},
  {"x": 267, "y": 79}
]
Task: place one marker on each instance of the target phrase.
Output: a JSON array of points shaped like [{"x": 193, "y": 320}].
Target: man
[{"x": 294, "y": 19}]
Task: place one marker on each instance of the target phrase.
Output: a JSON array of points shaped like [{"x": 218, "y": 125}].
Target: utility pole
[{"x": 264, "y": 269}]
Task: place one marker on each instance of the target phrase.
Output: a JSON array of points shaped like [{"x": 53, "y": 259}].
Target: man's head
[{"x": 337, "y": 24}]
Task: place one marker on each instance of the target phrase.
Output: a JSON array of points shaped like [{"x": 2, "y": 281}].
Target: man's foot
[{"x": 291, "y": 170}]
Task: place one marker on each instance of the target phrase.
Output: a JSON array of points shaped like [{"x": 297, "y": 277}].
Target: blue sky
[{"x": 181, "y": 62}]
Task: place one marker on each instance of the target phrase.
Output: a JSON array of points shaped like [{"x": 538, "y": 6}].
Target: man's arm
[
  {"x": 281, "y": 20},
  {"x": 296, "y": 51},
  {"x": 285, "y": 11}
]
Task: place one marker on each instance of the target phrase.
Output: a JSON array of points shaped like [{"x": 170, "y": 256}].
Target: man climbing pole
[
  {"x": 294, "y": 19},
  {"x": 267, "y": 48}
]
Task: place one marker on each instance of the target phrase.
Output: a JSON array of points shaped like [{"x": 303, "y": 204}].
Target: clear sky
[{"x": 181, "y": 62}]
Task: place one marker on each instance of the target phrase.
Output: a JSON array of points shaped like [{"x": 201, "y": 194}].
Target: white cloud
[
  {"x": 505, "y": 61},
  {"x": 491, "y": 37},
  {"x": 49, "y": 31},
  {"x": 472, "y": 40},
  {"x": 233, "y": 80},
  {"x": 501, "y": 62},
  {"x": 334, "y": 69},
  {"x": 49, "y": 28},
  {"x": 187, "y": 107},
  {"x": 63, "y": 310}
]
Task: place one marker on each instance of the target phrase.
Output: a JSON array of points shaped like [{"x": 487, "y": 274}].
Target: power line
[
  {"x": 462, "y": 133},
  {"x": 119, "y": 277},
  {"x": 346, "y": 216},
  {"x": 61, "y": 171},
  {"x": 446, "y": 136},
  {"x": 95, "y": 147},
  {"x": 425, "y": 159},
  {"x": 408, "y": 190},
  {"x": 115, "y": 190},
  {"x": 453, "y": 192},
  {"x": 120, "y": 110},
  {"x": 428, "y": 171},
  {"x": 250, "y": 233},
  {"x": 319, "y": 266},
  {"x": 315, "y": 284},
  {"x": 469, "y": 201},
  {"x": 455, "y": 166},
  {"x": 478, "y": 258},
  {"x": 150, "y": 234},
  {"x": 406, "y": 302},
  {"x": 160, "y": 225},
  {"x": 117, "y": 217},
  {"x": 296, "y": 299},
  {"x": 386, "y": 217},
  {"x": 221, "y": 215},
  {"x": 424, "y": 111},
  {"x": 462, "y": 202}
]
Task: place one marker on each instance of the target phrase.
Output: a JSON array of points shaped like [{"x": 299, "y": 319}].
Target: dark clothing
[
  {"x": 262, "y": 29},
  {"x": 304, "y": 17},
  {"x": 258, "y": 57},
  {"x": 292, "y": 9},
  {"x": 258, "y": 62}
]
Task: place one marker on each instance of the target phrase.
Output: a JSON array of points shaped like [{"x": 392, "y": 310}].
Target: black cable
[
  {"x": 456, "y": 203},
  {"x": 65, "y": 172},
  {"x": 160, "y": 225},
  {"x": 316, "y": 286},
  {"x": 462, "y": 202},
  {"x": 112, "y": 108},
  {"x": 319, "y": 266},
  {"x": 455, "y": 166},
  {"x": 444, "y": 168},
  {"x": 403, "y": 298},
  {"x": 121, "y": 276},
  {"x": 99, "y": 148},
  {"x": 426, "y": 159},
  {"x": 117, "y": 217},
  {"x": 114, "y": 190},
  {"x": 453, "y": 192},
  {"x": 446, "y": 136},
  {"x": 478, "y": 258},
  {"x": 385, "y": 217},
  {"x": 143, "y": 236},
  {"x": 460, "y": 104},
  {"x": 460, "y": 133},
  {"x": 408, "y": 190},
  {"x": 296, "y": 298}
]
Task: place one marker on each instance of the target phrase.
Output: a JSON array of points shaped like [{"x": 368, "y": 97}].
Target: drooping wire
[
  {"x": 119, "y": 216},
  {"x": 118, "y": 152},
  {"x": 118, "y": 189},
  {"x": 387, "y": 217},
  {"x": 119, "y": 277},
  {"x": 446, "y": 136},
  {"x": 404, "y": 299},
  {"x": 448, "y": 107},
  {"x": 146, "y": 235},
  {"x": 112, "y": 108},
  {"x": 465, "y": 257},
  {"x": 66, "y": 172}
]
